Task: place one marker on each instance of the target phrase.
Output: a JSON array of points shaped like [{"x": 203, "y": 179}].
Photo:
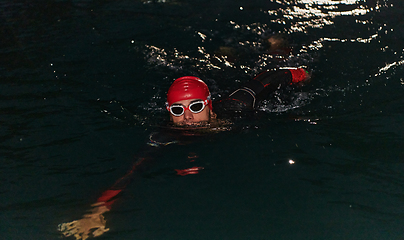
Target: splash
[{"x": 279, "y": 104}]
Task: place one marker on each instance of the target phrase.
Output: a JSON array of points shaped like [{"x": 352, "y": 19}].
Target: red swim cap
[{"x": 188, "y": 87}]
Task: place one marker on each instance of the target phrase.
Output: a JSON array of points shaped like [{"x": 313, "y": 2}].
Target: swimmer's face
[{"x": 188, "y": 117}]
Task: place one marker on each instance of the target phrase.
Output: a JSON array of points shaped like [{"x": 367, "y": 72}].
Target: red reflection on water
[{"x": 192, "y": 170}]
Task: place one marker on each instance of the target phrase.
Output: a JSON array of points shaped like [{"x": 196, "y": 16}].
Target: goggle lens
[
  {"x": 177, "y": 110},
  {"x": 196, "y": 107}
]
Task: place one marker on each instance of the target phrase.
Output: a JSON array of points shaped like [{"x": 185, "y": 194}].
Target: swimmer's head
[
  {"x": 186, "y": 88},
  {"x": 186, "y": 101}
]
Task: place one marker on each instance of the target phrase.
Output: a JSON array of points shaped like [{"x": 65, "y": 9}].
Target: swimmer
[
  {"x": 189, "y": 101},
  {"x": 189, "y": 104}
]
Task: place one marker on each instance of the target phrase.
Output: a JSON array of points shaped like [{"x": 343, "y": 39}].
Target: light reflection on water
[
  {"x": 308, "y": 14},
  {"x": 317, "y": 19}
]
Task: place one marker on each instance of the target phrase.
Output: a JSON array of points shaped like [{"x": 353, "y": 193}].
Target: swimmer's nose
[{"x": 188, "y": 115}]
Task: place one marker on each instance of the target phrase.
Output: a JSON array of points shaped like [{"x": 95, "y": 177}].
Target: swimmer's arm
[{"x": 93, "y": 223}]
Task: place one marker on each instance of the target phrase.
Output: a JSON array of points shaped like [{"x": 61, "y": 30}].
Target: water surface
[{"x": 83, "y": 85}]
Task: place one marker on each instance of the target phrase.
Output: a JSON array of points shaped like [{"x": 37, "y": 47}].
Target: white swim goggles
[{"x": 194, "y": 107}]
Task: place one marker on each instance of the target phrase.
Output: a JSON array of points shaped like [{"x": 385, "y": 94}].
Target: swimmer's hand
[
  {"x": 300, "y": 76},
  {"x": 92, "y": 224}
]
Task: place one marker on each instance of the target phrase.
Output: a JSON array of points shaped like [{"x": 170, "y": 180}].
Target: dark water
[{"x": 83, "y": 85}]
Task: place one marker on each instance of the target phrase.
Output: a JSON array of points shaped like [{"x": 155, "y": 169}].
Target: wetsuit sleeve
[
  {"x": 248, "y": 96},
  {"x": 109, "y": 196}
]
